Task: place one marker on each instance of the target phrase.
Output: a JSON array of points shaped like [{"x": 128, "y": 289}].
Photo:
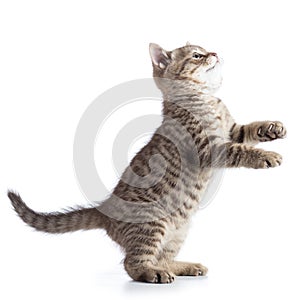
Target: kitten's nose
[{"x": 213, "y": 54}]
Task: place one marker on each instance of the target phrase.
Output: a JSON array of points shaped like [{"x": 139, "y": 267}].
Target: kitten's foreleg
[
  {"x": 234, "y": 155},
  {"x": 257, "y": 132}
]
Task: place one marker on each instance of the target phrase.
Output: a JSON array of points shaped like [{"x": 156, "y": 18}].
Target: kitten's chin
[
  {"x": 212, "y": 78},
  {"x": 217, "y": 66},
  {"x": 212, "y": 68}
]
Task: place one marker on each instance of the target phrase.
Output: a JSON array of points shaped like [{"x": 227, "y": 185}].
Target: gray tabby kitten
[{"x": 150, "y": 209}]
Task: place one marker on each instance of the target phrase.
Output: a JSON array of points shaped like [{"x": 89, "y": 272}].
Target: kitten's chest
[{"x": 210, "y": 118}]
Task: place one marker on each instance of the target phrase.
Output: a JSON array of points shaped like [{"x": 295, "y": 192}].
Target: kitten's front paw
[
  {"x": 268, "y": 159},
  {"x": 269, "y": 131}
]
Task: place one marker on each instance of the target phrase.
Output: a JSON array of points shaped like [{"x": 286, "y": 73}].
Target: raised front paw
[
  {"x": 268, "y": 159},
  {"x": 269, "y": 131}
]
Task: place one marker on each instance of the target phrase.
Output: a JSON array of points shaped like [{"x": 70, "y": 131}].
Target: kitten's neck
[
  {"x": 184, "y": 95},
  {"x": 171, "y": 88},
  {"x": 195, "y": 103}
]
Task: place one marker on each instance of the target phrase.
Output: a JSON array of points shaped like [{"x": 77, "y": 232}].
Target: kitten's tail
[{"x": 59, "y": 222}]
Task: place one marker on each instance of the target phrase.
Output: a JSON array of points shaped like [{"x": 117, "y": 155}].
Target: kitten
[{"x": 149, "y": 211}]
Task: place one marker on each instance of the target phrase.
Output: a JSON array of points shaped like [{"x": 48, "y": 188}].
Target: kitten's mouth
[{"x": 211, "y": 68}]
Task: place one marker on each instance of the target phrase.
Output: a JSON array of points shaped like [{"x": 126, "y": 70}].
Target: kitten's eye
[{"x": 197, "y": 55}]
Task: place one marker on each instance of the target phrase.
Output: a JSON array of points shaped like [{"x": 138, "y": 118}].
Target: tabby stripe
[
  {"x": 193, "y": 196},
  {"x": 157, "y": 190},
  {"x": 239, "y": 158},
  {"x": 182, "y": 213},
  {"x": 143, "y": 199},
  {"x": 138, "y": 261},
  {"x": 203, "y": 145},
  {"x": 240, "y": 138},
  {"x": 188, "y": 207},
  {"x": 152, "y": 197},
  {"x": 230, "y": 151},
  {"x": 141, "y": 251},
  {"x": 232, "y": 127},
  {"x": 174, "y": 174},
  {"x": 235, "y": 157},
  {"x": 157, "y": 230},
  {"x": 198, "y": 186},
  {"x": 194, "y": 69},
  {"x": 170, "y": 183},
  {"x": 170, "y": 160},
  {"x": 191, "y": 79},
  {"x": 156, "y": 224},
  {"x": 183, "y": 65},
  {"x": 140, "y": 230},
  {"x": 127, "y": 230},
  {"x": 143, "y": 240},
  {"x": 231, "y": 131}
]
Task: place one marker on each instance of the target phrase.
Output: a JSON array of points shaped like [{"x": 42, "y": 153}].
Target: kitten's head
[{"x": 191, "y": 67}]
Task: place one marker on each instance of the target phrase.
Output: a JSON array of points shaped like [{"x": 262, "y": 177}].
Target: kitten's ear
[{"x": 160, "y": 57}]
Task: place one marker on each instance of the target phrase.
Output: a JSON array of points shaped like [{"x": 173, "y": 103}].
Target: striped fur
[{"x": 149, "y": 211}]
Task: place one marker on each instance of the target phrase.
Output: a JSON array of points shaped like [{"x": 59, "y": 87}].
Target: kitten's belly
[
  {"x": 203, "y": 180},
  {"x": 191, "y": 196},
  {"x": 178, "y": 223}
]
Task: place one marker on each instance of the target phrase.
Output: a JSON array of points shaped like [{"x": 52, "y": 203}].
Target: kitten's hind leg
[
  {"x": 147, "y": 272},
  {"x": 143, "y": 249},
  {"x": 180, "y": 268}
]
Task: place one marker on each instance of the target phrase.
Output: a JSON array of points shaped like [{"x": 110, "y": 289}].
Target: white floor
[{"x": 116, "y": 285}]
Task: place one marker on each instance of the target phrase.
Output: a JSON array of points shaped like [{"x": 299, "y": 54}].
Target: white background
[{"x": 56, "y": 57}]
